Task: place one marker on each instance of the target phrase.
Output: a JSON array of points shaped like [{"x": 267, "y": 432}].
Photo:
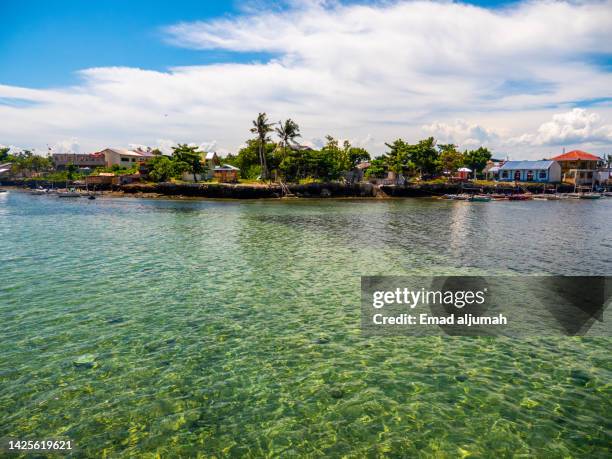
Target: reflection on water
[{"x": 232, "y": 329}]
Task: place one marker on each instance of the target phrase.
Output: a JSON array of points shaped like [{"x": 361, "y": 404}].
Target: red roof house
[{"x": 576, "y": 155}]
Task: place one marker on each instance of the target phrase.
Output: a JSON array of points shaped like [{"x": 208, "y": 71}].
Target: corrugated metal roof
[{"x": 526, "y": 165}]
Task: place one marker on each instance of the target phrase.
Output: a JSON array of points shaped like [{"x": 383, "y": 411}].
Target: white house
[
  {"x": 125, "y": 158},
  {"x": 545, "y": 171}
]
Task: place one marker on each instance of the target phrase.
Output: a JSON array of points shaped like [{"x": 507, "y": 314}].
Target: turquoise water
[{"x": 231, "y": 329}]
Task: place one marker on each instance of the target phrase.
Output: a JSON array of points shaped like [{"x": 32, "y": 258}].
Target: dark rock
[{"x": 461, "y": 378}]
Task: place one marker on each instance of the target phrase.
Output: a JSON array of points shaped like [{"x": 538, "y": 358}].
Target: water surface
[{"x": 231, "y": 329}]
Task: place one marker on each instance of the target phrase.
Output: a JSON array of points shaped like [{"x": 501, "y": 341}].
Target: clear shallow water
[{"x": 232, "y": 329}]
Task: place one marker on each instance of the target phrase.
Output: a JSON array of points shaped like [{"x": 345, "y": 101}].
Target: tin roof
[{"x": 527, "y": 165}]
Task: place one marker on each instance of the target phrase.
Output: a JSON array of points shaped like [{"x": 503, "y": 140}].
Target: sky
[{"x": 525, "y": 79}]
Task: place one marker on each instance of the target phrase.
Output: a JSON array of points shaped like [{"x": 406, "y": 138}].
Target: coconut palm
[
  {"x": 262, "y": 127},
  {"x": 287, "y": 132}
]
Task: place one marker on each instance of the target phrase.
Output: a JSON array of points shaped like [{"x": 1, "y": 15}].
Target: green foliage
[
  {"x": 26, "y": 161},
  {"x": 262, "y": 127},
  {"x": 71, "y": 171},
  {"x": 188, "y": 158},
  {"x": 248, "y": 159},
  {"x": 450, "y": 158},
  {"x": 162, "y": 168},
  {"x": 476, "y": 159},
  {"x": 4, "y": 154},
  {"x": 377, "y": 169}
]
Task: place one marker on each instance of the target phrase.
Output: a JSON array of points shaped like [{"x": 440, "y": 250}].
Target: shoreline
[{"x": 290, "y": 192}]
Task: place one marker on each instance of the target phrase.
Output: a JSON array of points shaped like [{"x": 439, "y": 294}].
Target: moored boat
[
  {"x": 520, "y": 197},
  {"x": 479, "y": 198},
  {"x": 590, "y": 196}
]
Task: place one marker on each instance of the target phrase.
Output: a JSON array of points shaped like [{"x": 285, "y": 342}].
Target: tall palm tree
[
  {"x": 287, "y": 132},
  {"x": 262, "y": 127}
]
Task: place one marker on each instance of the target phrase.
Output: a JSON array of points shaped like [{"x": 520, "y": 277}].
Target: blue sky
[
  {"x": 524, "y": 78},
  {"x": 44, "y": 42}
]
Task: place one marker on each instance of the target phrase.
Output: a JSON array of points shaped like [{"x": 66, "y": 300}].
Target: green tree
[
  {"x": 287, "y": 133},
  {"x": 476, "y": 159},
  {"x": 189, "y": 158},
  {"x": 425, "y": 156},
  {"x": 4, "y": 154},
  {"x": 262, "y": 127},
  {"x": 397, "y": 159},
  {"x": 377, "y": 169},
  {"x": 162, "y": 168},
  {"x": 450, "y": 158},
  {"x": 71, "y": 171}
]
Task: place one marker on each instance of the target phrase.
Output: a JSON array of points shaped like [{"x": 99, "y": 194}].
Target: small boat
[
  {"x": 39, "y": 191},
  {"x": 520, "y": 197},
  {"x": 69, "y": 194},
  {"x": 2, "y": 191},
  {"x": 91, "y": 197},
  {"x": 479, "y": 198},
  {"x": 553, "y": 197},
  {"x": 590, "y": 196}
]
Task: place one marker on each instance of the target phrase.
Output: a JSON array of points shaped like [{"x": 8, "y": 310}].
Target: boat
[
  {"x": 2, "y": 191},
  {"x": 69, "y": 194},
  {"x": 91, "y": 197},
  {"x": 553, "y": 197},
  {"x": 479, "y": 198},
  {"x": 590, "y": 196},
  {"x": 520, "y": 197},
  {"x": 39, "y": 191}
]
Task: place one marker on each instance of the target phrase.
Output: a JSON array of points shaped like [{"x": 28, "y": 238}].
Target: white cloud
[
  {"x": 462, "y": 133},
  {"x": 570, "y": 128},
  {"x": 70, "y": 145},
  {"x": 346, "y": 70}
]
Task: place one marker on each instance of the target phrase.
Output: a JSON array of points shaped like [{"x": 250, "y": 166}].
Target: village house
[
  {"x": 125, "y": 158},
  {"x": 578, "y": 167},
  {"x": 491, "y": 170},
  {"x": 211, "y": 160},
  {"x": 91, "y": 160},
  {"x": 226, "y": 173},
  {"x": 546, "y": 171}
]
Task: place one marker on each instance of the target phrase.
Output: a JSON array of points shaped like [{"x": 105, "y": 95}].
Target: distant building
[
  {"x": 211, "y": 160},
  {"x": 5, "y": 169},
  {"x": 125, "y": 158},
  {"x": 530, "y": 171},
  {"x": 577, "y": 160},
  {"x": 226, "y": 173},
  {"x": 91, "y": 160},
  {"x": 491, "y": 170}
]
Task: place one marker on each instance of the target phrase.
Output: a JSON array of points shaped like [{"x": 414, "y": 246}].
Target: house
[
  {"x": 211, "y": 160},
  {"x": 603, "y": 176},
  {"x": 125, "y": 158},
  {"x": 91, "y": 160},
  {"x": 579, "y": 161},
  {"x": 545, "y": 171},
  {"x": 5, "y": 169},
  {"x": 491, "y": 170},
  {"x": 226, "y": 173}
]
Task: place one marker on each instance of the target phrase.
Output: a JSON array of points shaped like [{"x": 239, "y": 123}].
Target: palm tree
[
  {"x": 287, "y": 132},
  {"x": 262, "y": 127}
]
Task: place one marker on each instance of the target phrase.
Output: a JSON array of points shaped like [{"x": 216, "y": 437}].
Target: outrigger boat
[{"x": 479, "y": 198}]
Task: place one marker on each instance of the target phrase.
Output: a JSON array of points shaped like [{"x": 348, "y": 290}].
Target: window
[
  {"x": 529, "y": 175},
  {"x": 505, "y": 174},
  {"x": 125, "y": 160},
  {"x": 542, "y": 174}
]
